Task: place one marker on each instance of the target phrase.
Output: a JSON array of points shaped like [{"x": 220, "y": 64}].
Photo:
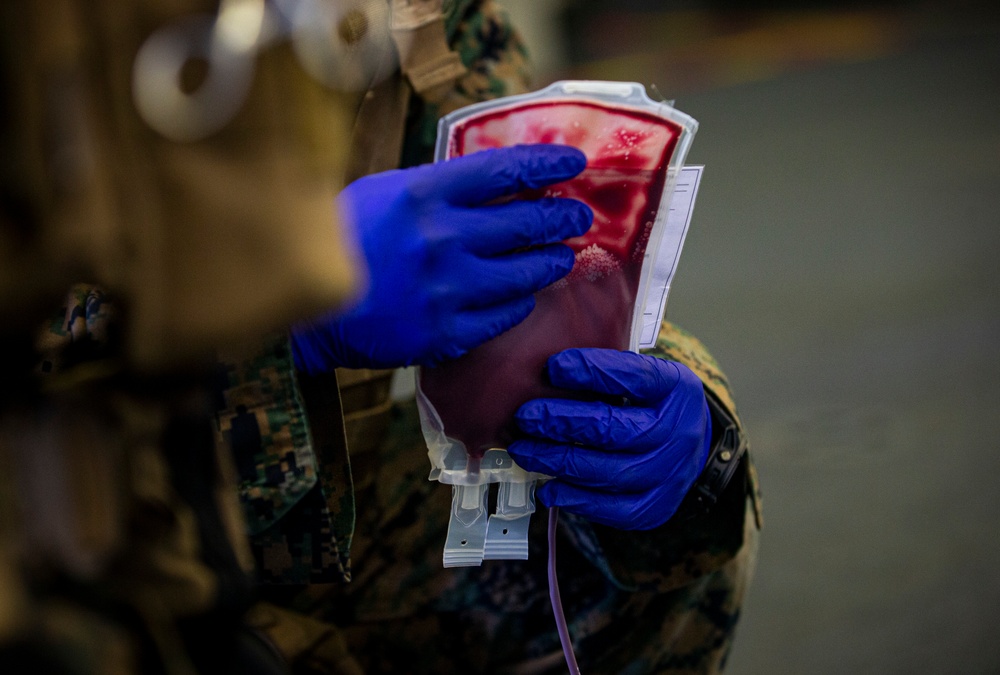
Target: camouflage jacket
[{"x": 665, "y": 601}]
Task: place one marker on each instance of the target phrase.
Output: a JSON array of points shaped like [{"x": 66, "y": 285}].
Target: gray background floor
[{"x": 842, "y": 266}]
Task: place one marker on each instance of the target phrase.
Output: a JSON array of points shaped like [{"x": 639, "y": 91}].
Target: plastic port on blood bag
[{"x": 634, "y": 149}]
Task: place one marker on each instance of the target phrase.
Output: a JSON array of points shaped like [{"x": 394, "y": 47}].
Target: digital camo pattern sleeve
[
  {"x": 300, "y": 515},
  {"x": 259, "y": 414}
]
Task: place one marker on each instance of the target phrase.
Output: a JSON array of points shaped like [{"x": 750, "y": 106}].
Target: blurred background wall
[{"x": 842, "y": 265}]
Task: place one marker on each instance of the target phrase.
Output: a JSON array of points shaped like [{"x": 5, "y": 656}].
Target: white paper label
[{"x": 669, "y": 252}]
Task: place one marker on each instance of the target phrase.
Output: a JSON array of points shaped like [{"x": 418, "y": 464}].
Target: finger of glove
[
  {"x": 598, "y": 469},
  {"x": 620, "y": 511},
  {"x": 593, "y": 423},
  {"x": 486, "y": 282},
  {"x": 484, "y": 176},
  {"x": 312, "y": 350},
  {"x": 606, "y": 371},
  {"x": 490, "y": 230},
  {"x": 470, "y": 328}
]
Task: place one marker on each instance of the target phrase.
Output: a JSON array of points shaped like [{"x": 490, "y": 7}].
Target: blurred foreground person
[
  {"x": 122, "y": 547},
  {"x": 347, "y": 531}
]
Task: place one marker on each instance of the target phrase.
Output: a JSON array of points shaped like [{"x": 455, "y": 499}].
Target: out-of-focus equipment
[{"x": 344, "y": 45}]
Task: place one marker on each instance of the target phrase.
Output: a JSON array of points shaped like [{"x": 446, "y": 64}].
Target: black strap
[{"x": 729, "y": 446}]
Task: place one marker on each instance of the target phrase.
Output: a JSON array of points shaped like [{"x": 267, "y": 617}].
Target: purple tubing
[{"x": 557, "y": 609}]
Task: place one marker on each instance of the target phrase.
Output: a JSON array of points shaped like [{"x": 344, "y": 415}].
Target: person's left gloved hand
[
  {"x": 452, "y": 261},
  {"x": 627, "y": 466}
]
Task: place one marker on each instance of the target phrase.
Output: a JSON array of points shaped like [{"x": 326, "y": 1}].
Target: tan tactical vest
[
  {"x": 428, "y": 68},
  {"x": 201, "y": 242}
]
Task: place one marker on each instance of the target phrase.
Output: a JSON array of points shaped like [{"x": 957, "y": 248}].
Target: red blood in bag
[{"x": 628, "y": 152}]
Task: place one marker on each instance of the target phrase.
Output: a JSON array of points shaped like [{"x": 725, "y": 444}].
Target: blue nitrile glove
[
  {"x": 448, "y": 270},
  {"x": 627, "y": 466}
]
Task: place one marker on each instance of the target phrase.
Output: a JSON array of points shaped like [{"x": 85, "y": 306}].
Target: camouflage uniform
[
  {"x": 122, "y": 545},
  {"x": 661, "y": 601},
  {"x": 335, "y": 489}
]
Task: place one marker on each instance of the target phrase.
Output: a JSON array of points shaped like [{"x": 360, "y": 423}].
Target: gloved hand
[
  {"x": 627, "y": 466},
  {"x": 448, "y": 270}
]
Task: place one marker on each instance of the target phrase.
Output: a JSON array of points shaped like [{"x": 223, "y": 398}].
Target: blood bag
[{"x": 635, "y": 148}]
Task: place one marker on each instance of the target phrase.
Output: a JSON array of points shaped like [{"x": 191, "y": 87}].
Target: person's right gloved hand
[
  {"x": 448, "y": 268},
  {"x": 625, "y": 463}
]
